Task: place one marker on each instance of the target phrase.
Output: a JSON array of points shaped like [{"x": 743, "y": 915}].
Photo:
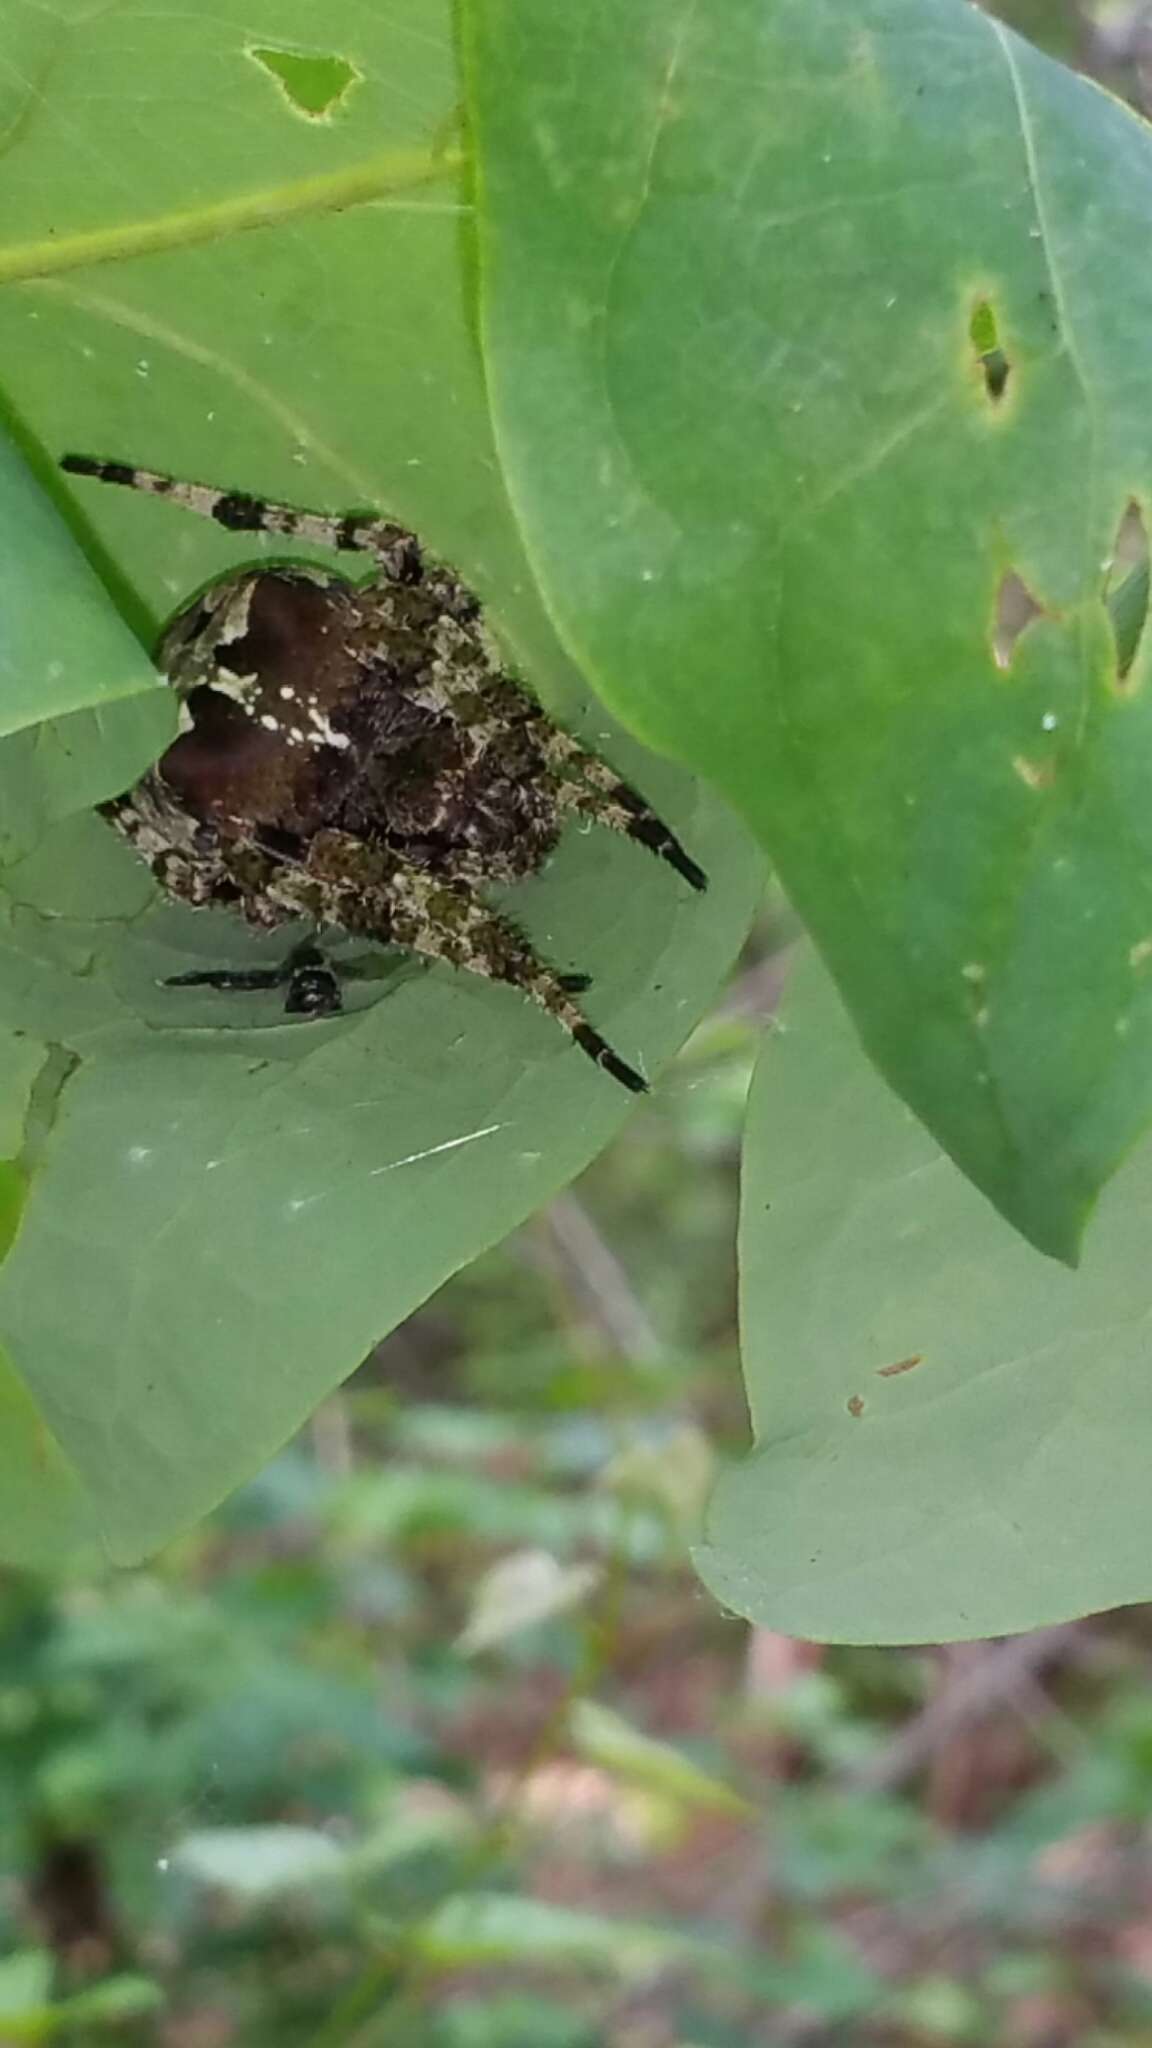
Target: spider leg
[
  {"x": 396, "y": 551},
  {"x": 239, "y": 978},
  {"x": 449, "y": 921},
  {"x": 587, "y": 785},
  {"x": 468, "y": 872},
  {"x": 313, "y": 986},
  {"x": 581, "y": 781}
]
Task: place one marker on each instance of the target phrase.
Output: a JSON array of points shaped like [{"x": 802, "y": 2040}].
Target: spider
[{"x": 360, "y": 757}]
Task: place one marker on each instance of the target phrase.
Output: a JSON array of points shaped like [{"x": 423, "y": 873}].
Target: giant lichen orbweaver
[{"x": 361, "y": 757}]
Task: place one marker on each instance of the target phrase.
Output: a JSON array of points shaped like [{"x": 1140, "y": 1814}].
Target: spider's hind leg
[{"x": 450, "y": 921}]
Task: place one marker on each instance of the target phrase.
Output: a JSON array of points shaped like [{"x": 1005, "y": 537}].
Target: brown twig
[
  {"x": 596, "y": 1282},
  {"x": 997, "y": 1676}
]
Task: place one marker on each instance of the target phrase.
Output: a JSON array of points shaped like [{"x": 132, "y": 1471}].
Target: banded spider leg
[{"x": 581, "y": 781}]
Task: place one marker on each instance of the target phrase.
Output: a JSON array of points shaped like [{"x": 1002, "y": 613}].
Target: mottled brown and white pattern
[{"x": 361, "y": 758}]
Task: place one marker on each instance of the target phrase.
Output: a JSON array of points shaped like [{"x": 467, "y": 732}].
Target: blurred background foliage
[{"x": 430, "y": 1737}]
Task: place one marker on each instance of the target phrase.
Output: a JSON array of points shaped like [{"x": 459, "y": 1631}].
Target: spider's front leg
[{"x": 397, "y": 552}]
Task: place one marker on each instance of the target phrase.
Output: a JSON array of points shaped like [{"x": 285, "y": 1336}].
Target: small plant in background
[{"x": 430, "y": 1735}]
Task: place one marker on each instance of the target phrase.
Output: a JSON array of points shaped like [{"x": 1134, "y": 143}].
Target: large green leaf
[
  {"x": 224, "y": 1210},
  {"x": 62, "y": 647},
  {"x": 82, "y": 710},
  {"x": 952, "y": 1432},
  {"x": 824, "y": 313}
]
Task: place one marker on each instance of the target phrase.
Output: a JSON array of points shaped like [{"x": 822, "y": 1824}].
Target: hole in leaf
[
  {"x": 313, "y": 86},
  {"x": 985, "y": 333},
  {"x": 1126, "y": 589},
  {"x": 1016, "y": 608}
]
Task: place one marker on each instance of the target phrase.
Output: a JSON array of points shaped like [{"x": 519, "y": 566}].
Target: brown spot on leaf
[
  {"x": 891, "y": 1372},
  {"x": 856, "y": 1406}
]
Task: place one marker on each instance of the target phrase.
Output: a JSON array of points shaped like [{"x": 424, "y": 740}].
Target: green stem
[
  {"x": 395, "y": 170},
  {"x": 395, "y": 1986}
]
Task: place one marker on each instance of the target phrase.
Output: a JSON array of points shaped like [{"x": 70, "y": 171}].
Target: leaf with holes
[
  {"x": 815, "y": 306},
  {"x": 262, "y": 279},
  {"x": 951, "y": 1432}
]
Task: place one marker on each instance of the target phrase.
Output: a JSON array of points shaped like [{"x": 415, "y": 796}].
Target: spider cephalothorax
[{"x": 360, "y": 757}]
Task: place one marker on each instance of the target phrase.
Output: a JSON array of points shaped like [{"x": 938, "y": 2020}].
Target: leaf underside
[
  {"x": 821, "y": 313},
  {"x": 952, "y": 1433}
]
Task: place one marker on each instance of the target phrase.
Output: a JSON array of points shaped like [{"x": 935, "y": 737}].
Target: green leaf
[
  {"x": 82, "y": 710},
  {"x": 951, "y": 1432},
  {"x": 816, "y": 308},
  {"x": 226, "y": 1210},
  {"x": 519, "y": 1592},
  {"x": 63, "y": 649},
  {"x": 49, "y": 1521},
  {"x": 477, "y": 1929},
  {"x": 25, "y": 1982},
  {"x": 258, "y": 1863},
  {"x": 606, "y": 1739},
  {"x": 115, "y": 2000}
]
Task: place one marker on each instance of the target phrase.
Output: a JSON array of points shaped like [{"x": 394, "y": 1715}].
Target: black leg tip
[
  {"x": 692, "y": 874},
  {"x": 238, "y": 980},
  {"x": 626, "y": 1075},
  {"x": 602, "y": 1056},
  {"x": 194, "y": 980},
  {"x": 652, "y": 832}
]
